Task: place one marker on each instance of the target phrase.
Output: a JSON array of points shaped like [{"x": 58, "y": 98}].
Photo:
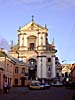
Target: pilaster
[{"x": 53, "y": 67}]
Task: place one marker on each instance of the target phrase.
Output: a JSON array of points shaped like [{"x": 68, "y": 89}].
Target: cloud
[
  {"x": 36, "y": 2},
  {"x": 66, "y": 2},
  {"x": 49, "y": 2}
]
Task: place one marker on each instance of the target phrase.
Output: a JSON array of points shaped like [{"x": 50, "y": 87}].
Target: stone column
[
  {"x": 39, "y": 39},
  {"x": 20, "y": 40},
  {"x": 38, "y": 66},
  {"x": 44, "y": 40},
  {"x": 53, "y": 67},
  {"x": 44, "y": 67},
  {"x": 25, "y": 41}
]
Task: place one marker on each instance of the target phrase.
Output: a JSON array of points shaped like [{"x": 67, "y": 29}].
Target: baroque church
[{"x": 34, "y": 49}]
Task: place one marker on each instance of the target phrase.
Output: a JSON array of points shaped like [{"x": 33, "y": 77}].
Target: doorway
[{"x": 22, "y": 81}]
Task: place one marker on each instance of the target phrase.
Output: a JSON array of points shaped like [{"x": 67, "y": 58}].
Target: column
[
  {"x": 44, "y": 40},
  {"x": 20, "y": 40},
  {"x": 25, "y": 40},
  {"x": 53, "y": 67},
  {"x": 43, "y": 67},
  {"x": 39, "y": 39},
  {"x": 38, "y": 66}
]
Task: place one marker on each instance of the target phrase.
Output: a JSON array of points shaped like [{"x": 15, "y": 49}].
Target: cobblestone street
[{"x": 54, "y": 93}]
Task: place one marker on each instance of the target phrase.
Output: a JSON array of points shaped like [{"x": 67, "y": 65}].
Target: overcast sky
[{"x": 59, "y": 15}]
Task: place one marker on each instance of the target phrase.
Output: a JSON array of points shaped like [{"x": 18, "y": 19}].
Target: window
[
  {"x": 31, "y": 46},
  {"x": 16, "y": 70},
  {"x": 23, "y": 70},
  {"x": 56, "y": 58},
  {"x": 16, "y": 81},
  {"x": 49, "y": 59},
  {"x": 49, "y": 69}
]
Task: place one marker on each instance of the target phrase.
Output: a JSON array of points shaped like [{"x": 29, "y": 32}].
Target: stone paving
[{"x": 54, "y": 93}]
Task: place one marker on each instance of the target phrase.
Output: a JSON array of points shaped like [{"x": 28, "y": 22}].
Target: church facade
[{"x": 34, "y": 49}]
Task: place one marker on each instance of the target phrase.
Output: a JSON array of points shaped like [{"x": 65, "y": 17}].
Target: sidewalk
[{"x": 13, "y": 93}]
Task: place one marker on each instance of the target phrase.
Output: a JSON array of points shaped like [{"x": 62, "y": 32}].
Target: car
[
  {"x": 46, "y": 85},
  {"x": 36, "y": 86},
  {"x": 57, "y": 84},
  {"x": 70, "y": 85}
]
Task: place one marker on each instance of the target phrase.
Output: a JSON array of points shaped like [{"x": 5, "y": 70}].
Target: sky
[{"x": 58, "y": 15}]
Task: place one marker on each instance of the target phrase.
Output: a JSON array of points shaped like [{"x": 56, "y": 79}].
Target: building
[
  {"x": 73, "y": 72},
  {"x": 34, "y": 49},
  {"x": 12, "y": 70},
  {"x": 6, "y": 69},
  {"x": 66, "y": 69},
  {"x": 20, "y": 73}
]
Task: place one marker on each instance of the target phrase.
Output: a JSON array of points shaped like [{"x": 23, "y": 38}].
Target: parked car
[
  {"x": 46, "y": 85},
  {"x": 57, "y": 84},
  {"x": 70, "y": 85},
  {"x": 35, "y": 86}
]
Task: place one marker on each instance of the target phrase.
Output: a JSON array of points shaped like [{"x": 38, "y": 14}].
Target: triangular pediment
[{"x": 32, "y": 26}]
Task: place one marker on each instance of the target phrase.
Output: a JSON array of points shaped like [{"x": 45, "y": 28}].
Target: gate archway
[{"x": 32, "y": 69}]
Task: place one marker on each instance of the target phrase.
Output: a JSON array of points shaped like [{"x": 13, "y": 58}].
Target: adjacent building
[
  {"x": 6, "y": 69},
  {"x": 73, "y": 72},
  {"x": 66, "y": 69},
  {"x": 12, "y": 70}
]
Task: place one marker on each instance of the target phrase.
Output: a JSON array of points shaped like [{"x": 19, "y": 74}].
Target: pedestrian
[{"x": 5, "y": 87}]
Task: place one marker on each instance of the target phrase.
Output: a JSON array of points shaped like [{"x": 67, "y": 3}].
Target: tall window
[
  {"x": 49, "y": 69},
  {"x": 16, "y": 70},
  {"x": 49, "y": 59},
  {"x": 23, "y": 70},
  {"x": 31, "y": 46}
]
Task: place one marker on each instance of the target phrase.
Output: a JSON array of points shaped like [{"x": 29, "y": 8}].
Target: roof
[
  {"x": 72, "y": 69},
  {"x": 31, "y": 25},
  {"x": 17, "y": 61},
  {"x": 2, "y": 53}
]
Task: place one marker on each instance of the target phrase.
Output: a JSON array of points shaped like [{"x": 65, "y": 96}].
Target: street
[{"x": 54, "y": 93}]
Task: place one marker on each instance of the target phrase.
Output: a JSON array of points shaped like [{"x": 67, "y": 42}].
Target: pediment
[{"x": 32, "y": 26}]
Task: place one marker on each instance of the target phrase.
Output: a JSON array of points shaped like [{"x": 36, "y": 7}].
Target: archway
[{"x": 32, "y": 69}]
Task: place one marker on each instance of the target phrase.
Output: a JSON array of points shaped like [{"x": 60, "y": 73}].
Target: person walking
[{"x": 5, "y": 87}]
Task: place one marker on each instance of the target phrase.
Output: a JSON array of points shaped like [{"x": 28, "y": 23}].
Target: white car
[{"x": 35, "y": 86}]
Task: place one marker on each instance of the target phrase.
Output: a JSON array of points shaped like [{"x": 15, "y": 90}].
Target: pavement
[
  {"x": 22, "y": 93},
  {"x": 13, "y": 93}
]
